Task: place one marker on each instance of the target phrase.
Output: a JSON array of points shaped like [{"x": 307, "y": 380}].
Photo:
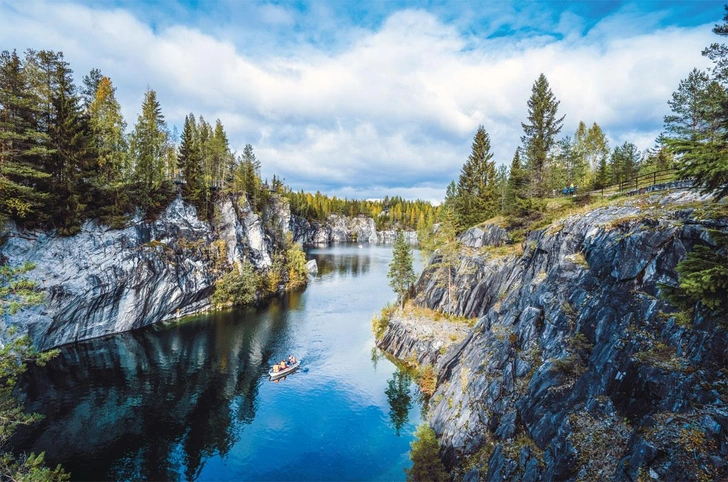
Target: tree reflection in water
[
  {"x": 156, "y": 404},
  {"x": 399, "y": 398}
]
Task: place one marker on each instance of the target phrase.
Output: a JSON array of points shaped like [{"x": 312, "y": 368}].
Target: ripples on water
[{"x": 191, "y": 401}]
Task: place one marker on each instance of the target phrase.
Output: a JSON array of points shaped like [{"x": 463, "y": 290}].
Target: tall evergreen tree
[
  {"x": 539, "y": 134},
  {"x": 401, "y": 273},
  {"x": 517, "y": 182},
  {"x": 149, "y": 142},
  {"x": 20, "y": 142},
  {"x": 188, "y": 162},
  {"x": 476, "y": 198},
  {"x": 73, "y": 164}
]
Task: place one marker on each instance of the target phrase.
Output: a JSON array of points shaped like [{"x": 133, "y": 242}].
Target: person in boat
[
  {"x": 275, "y": 368},
  {"x": 291, "y": 359},
  {"x": 283, "y": 364}
]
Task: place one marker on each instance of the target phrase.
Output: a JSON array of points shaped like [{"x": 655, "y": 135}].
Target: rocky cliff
[
  {"x": 343, "y": 229},
  {"x": 103, "y": 281},
  {"x": 576, "y": 369}
]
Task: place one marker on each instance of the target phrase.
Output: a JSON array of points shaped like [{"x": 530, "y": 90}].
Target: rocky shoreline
[{"x": 577, "y": 369}]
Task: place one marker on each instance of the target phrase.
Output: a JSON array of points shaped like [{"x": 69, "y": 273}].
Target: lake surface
[{"x": 192, "y": 400}]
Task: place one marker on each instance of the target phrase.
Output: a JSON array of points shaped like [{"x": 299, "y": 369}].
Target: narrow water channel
[{"x": 192, "y": 400}]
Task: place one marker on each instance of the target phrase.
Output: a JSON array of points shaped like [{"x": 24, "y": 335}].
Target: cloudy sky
[{"x": 363, "y": 99}]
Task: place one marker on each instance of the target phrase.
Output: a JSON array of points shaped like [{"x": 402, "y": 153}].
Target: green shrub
[
  {"x": 381, "y": 321},
  {"x": 296, "y": 266},
  {"x": 237, "y": 288}
]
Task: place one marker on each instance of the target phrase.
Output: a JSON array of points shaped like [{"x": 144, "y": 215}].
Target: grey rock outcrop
[
  {"x": 575, "y": 368},
  {"x": 485, "y": 235},
  {"x": 103, "y": 281},
  {"x": 342, "y": 229},
  {"x": 420, "y": 339},
  {"x": 387, "y": 236}
]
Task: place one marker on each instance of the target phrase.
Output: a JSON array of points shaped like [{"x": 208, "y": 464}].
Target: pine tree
[
  {"x": 401, "y": 273},
  {"x": 17, "y": 293},
  {"x": 221, "y": 156},
  {"x": 703, "y": 280},
  {"x": 540, "y": 133},
  {"x": 696, "y": 106},
  {"x": 706, "y": 160},
  {"x": 476, "y": 198},
  {"x": 247, "y": 177}
]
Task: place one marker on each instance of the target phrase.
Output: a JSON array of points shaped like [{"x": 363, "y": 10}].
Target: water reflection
[
  {"x": 400, "y": 401},
  {"x": 155, "y": 406},
  {"x": 349, "y": 264},
  {"x": 193, "y": 402}
]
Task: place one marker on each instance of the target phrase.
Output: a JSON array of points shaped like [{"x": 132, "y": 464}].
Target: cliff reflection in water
[
  {"x": 152, "y": 404},
  {"x": 343, "y": 264}
]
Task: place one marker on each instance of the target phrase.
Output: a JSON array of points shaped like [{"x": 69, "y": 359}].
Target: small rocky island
[{"x": 576, "y": 368}]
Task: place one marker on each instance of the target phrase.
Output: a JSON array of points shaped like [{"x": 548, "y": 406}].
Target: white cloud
[{"x": 392, "y": 110}]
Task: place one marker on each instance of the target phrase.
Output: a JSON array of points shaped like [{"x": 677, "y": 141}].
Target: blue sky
[{"x": 365, "y": 99}]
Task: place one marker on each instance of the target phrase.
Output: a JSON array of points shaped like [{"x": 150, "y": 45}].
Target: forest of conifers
[{"x": 66, "y": 156}]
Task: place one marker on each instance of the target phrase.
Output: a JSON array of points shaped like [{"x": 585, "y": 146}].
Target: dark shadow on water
[{"x": 153, "y": 403}]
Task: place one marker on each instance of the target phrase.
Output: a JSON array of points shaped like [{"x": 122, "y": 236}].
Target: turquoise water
[{"x": 192, "y": 401}]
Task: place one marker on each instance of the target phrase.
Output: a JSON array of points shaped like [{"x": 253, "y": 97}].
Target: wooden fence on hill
[{"x": 638, "y": 183}]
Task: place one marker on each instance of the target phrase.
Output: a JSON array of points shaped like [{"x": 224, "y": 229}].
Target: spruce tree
[
  {"x": 602, "y": 177},
  {"x": 188, "y": 162},
  {"x": 517, "y": 182},
  {"x": 539, "y": 134},
  {"x": 20, "y": 142},
  {"x": 149, "y": 142},
  {"x": 476, "y": 197},
  {"x": 401, "y": 273},
  {"x": 73, "y": 164}
]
